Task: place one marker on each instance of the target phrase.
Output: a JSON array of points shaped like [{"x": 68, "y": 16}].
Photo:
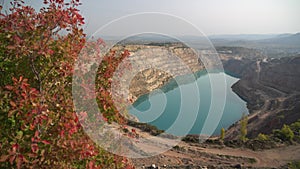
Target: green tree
[
  {"x": 296, "y": 126},
  {"x": 243, "y": 129},
  {"x": 222, "y": 136},
  {"x": 285, "y": 133},
  {"x": 262, "y": 137}
]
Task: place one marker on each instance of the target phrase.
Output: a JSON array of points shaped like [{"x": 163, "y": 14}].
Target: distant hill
[
  {"x": 271, "y": 45},
  {"x": 292, "y": 40},
  {"x": 247, "y": 37},
  {"x": 275, "y": 46},
  {"x": 281, "y": 40}
]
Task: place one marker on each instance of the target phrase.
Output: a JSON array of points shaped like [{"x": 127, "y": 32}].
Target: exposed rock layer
[
  {"x": 272, "y": 92},
  {"x": 153, "y": 66}
]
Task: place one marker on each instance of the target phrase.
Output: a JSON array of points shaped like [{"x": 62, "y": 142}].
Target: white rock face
[{"x": 154, "y": 66}]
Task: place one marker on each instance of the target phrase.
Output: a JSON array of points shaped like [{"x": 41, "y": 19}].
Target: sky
[{"x": 211, "y": 17}]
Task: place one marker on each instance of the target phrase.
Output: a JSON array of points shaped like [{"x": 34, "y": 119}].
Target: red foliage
[{"x": 41, "y": 128}]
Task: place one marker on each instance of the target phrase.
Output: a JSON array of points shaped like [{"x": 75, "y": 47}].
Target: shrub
[
  {"x": 222, "y": 135},
  {"x": 39, "y": 127},
  {"x": 243, "y": 129},
  {"x": 296, "y": 126},
  {"x": 262, "y": 137},
  {"x": 285, "y": 134},
  {"x": 294, "y": 165}
]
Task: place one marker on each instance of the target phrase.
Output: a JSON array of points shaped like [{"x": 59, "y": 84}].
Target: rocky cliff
[
  {"x": 271, "y": 89},
  {"x": 154, "y": 65}
]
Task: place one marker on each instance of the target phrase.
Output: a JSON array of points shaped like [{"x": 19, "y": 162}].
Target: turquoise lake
[{"x": 203, "y": 105}]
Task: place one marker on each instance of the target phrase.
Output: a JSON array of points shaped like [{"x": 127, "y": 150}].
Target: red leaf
[
  {"x": 4, "y": 158},
  {"x": 10, "y": 113},
  {"x": 13, "y": 104},
  {"x": 8, "y": 87},
  {"x": 76, "y": 119},
  {"x": 72, "y": 144},
  {"x": 31, "y": 155},
  {"x": 44, "y": 117},
  {"x": 50, "y": 51},
  {"x": 11, "y": 159},
  {"x": 36, "y": 134},
  {"x": 21, "y": 78},
  {"x": 62, "y": 133},
  {"x": 34, "y": 91},
  {"x": 91, "y": 164},
  {"x": 45, "y": 142},
  {"x": 19, "y": 161},
  {"x": 15, "y": 147},
  {"x": 11, "y": 47},
  {"x": 34, "y": 148},
  {"x": 24, "y": 95},
  {"x": 32, "y": 126},
  {"x": 82, "y": 116}
]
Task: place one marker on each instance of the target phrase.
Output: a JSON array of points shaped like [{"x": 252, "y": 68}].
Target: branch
[{"x": 36, "y": 73}]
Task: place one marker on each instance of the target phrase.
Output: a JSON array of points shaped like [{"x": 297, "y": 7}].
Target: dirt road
[{"x": 195, "y": 155}]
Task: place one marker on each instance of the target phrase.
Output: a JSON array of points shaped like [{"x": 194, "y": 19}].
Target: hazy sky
[{"x": 211, "y": 16}]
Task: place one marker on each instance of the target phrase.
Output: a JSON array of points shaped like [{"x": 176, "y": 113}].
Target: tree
[
  {"x": 296, "y": 126},
  {"x": 285, "y": 133},
  {"x": 243, "y": 129},
  {"x": 222, "y": 136},
  {"x": 262, "y": 137},
  {"x": 39, "y": 128}
]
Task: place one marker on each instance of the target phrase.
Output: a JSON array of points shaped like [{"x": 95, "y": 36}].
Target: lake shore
[{"x": 148, "y": 106}]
